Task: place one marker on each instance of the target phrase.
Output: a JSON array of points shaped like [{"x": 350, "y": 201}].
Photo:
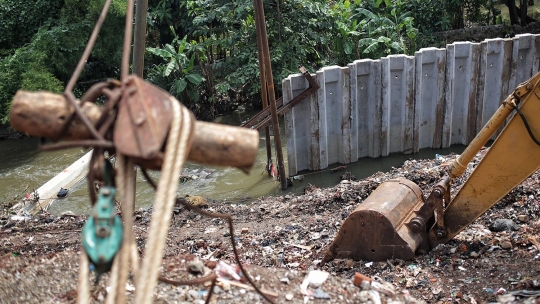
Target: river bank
[{"x": 282, "y": 238}]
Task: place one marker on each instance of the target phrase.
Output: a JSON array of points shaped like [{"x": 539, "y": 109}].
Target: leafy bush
[
  {"x": 176, "y": 73},
  {"x": 24, "y": 70},
  {"x": 21, "y": 19}
]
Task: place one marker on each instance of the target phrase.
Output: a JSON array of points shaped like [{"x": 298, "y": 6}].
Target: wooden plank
[
  {"x": 480, "y": 86},
  {"x": 473, "y": 92},
  {"x": 353, "y": 93},
  {"x": 408, "y": 135},
  {"x": 322, "y": 132},
  {"x": 429, "y": 98}
]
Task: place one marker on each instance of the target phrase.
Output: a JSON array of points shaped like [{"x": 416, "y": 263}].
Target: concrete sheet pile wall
[{"x": 436, "y": 98}]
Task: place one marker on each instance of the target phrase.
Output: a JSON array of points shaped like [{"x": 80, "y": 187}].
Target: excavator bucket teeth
[{"x": 378, "y": 228}]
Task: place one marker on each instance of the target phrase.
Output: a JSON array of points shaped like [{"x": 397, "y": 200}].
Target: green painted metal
[{"x": 102, "y": 233}]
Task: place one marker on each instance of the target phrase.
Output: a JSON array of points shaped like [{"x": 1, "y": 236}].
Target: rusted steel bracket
[
  {"x": 144, "y": 118},
  {"x": 432, "y": 208},
  {"x": 263, "y": 118}
]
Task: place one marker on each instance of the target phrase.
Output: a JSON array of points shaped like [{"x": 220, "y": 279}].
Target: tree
[
  {"x": 42, "y": 42},
  {"x": 518, "y": 15}
]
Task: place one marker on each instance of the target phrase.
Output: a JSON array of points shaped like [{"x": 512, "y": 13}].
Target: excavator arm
[
  {"x": 397, "y": 221},
  {"x": 513, "y": 157}
]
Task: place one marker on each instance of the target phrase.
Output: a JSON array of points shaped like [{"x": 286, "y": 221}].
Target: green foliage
[
  {"x": 177, "y": 74},
  {"x": 21, "y": 19},
  {"x": 383, "y": 35},
  {"x": 24, "y": 70},
  {"x": 41, "y": 41},
  {"x": 59, "y": 31}
]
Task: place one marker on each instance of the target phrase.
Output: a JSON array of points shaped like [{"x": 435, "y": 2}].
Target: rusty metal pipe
[
  {"x": 271, "y": 94},
  {"x": 264, "y": 93}
]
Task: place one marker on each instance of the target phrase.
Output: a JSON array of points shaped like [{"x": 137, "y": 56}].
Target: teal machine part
[{"x": 102, "y": 233}]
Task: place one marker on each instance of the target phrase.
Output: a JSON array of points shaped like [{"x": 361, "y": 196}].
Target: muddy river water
[{"x": 23, "y": 168}]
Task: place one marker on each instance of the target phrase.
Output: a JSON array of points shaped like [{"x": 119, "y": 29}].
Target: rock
[
  {"x": 473, "y": 254},
  {"x": 365, "y": 285},
  {"x": 197, "y": 201},
  {"x": 320, "y": 294},
  {"x": 348, "y": 264},
  {"x": 503, "y": 225},
  {"x": 289, "y": 296},
  {"x": 363, "y": 296},
  {"x": 193, "y": 294},
  {"x": 196, "y": 266},
  {"x": 506, "y": 245},
  {"x": 245, "y": 230},
  {"x": 523, "y": 218}
]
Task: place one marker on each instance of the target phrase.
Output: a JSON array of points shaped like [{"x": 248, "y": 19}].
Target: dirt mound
[{"x": 281, "y": 239}]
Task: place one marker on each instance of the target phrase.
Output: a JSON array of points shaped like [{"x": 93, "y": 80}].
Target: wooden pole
[
  {"x": 271, "y": 93},
  {"x": 43, "y": 114},
  {"x": 264, "y": 93},
  {"x": 139, "y": 37}
]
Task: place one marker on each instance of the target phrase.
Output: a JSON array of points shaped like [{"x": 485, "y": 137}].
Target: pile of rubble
[{"x": 281, "y": 243}]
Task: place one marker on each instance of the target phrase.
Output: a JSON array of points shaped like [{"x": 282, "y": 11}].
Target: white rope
[
  {"x": 111, "y": 297},
  {"x": 126, "y": 189},
  {"x": 127, "y": 206},
  {"x": 115, "y": 271},
  {"x": 177, "y": 148},
  {"x": 83, "y": 284}
]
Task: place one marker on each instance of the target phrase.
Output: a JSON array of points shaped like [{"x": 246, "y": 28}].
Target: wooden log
[{"x": 42, "y": 114}]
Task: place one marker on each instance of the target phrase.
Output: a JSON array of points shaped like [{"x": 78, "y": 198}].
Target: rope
[
  {"x": 121, "y": 186},
  {"x": 126, "y": 180},
  {"x": 83, "y": 284},
  {"x": 115, "y": 273},
  {"x": 176, "y": 152}
]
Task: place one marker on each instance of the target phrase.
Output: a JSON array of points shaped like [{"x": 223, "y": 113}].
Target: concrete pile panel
[
  {"x": 301, "y": 126},
  {"x": 525, "y": 58},
  {"x": 429, "y": 97},
  {"x": 401, "y": 104},
  {"x": 397, "y": 104},
  {"x": 366, "y": 103},
  {"x": 462, "y": 71},
  {"x": 495, "y": 64},
  {"x": 334, "y": 116}
]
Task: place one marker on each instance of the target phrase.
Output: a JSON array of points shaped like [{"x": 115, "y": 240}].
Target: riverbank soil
[{"x": 281, "y": 239}]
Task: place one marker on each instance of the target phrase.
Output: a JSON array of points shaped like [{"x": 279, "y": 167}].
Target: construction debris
[{"x": 286, "y": 241}]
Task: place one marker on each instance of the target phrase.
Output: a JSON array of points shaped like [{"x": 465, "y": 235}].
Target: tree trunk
[
  {"x": 523, "y": 12},
  {"x": 513, "y": 11}
]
